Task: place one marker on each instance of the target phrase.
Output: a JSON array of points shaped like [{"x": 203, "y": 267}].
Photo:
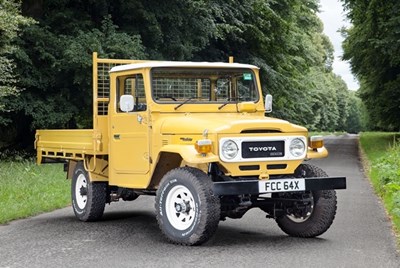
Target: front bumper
[{"x": 255, "y": 187}]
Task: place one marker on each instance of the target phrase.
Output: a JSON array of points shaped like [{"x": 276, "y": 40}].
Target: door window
[{"x": 132, "y": 85}]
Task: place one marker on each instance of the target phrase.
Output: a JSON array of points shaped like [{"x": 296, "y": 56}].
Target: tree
[
  {"x": 284, "y": 38},
  {"x": 373, "y": 50},
  {"x": 172, "y": 30},
  {"x": 54, "y": 66},
  {"x": 11, "y": 22},
  {"x": 355, "y": 121}
]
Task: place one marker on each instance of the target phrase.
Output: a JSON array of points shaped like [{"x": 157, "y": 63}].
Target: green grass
[
  {"x": 383, "y": 155},
  {"x": 27, "y": 189},
  {"x": 325, "y": 133}
]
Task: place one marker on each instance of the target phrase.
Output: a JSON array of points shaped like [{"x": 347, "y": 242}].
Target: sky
[{"x": 333, "y": 17}]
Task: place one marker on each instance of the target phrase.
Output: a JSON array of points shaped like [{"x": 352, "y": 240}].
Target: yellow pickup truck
[{"x": 196, "y": 136}]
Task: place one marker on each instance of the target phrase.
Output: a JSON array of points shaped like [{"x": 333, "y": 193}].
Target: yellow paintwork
[
  {"x": 317, "y": 153},
  {"x": 247, "y": 107},
  {"x": 189, "y": 154},
  {"x": 124, "y": 148},
  {"x": 68, "y": 144}
]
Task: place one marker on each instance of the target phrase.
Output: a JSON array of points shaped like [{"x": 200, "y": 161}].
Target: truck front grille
[{"x": 260, "y": 149}]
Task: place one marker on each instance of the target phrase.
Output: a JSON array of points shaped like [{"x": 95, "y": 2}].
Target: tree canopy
[
  {"x": 284, "y": 38},
  {"x": 372, "y": 46},
  {"x": 10, "y": 23}
]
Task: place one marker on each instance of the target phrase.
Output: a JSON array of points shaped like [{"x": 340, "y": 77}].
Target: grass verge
[
  {"x": 27, "y": 189},
  {"x": 324, "y": 133},
  {"x": 382, "y": 151}
]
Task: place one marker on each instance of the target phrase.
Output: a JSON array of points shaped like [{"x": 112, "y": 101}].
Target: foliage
[
  {"x": 383, "y": 153},
  {"x": 172, "y": 30},
  {"x": 58, "y": 92},
  {"x": 390, "y": 179},
  {"x": 27, "y": 189},
  {"x": 279, "y": 37},
  {"x": 10, "y": 23},
  {"x": 372, "y": 48},
  {"x": 356, "y": 120},
  {"x": 284, "y": 38}
]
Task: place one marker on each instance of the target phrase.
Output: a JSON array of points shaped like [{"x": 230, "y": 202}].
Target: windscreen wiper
[
  {"x": 183, "y": 103},
  {"x": 228, "y": 100}
]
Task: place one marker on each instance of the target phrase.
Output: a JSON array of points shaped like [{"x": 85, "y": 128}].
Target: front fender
[{"x": 189, "y": 154}]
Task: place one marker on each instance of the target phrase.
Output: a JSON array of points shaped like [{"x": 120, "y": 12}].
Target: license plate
[{"x": 281, "y": 185}]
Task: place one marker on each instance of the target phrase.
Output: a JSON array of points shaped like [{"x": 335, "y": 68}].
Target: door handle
[{"x": 117, "y": 136}]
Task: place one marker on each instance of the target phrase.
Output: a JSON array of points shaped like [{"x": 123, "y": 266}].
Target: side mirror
[
  {"x": 126, "y": 103},
  {"x": 268, "y": 103}
]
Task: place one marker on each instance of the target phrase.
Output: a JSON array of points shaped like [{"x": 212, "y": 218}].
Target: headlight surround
[
  {"x": 297, "y": 147},
  {"x": 229, "y": 149}
]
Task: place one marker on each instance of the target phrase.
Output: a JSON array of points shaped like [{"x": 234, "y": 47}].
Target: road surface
[{"x": 360, "y": 236}]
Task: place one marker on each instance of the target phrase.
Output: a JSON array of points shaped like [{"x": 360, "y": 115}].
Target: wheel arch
[
  {"x": 97, "y": 168},
  {"x": 166, "y": 161},
  {"x": 176, "y": 155}
]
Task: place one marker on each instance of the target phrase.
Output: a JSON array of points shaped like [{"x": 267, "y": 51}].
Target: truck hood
[{"x": 224, "y": 124}]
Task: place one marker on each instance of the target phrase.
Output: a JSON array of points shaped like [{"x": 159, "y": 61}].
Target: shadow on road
[
  {"x": 233, "y": 236},
  {"x": 141, "y": 228}
]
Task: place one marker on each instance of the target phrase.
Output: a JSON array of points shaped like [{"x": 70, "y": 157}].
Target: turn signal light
[
  {"x": 203, "y": 146},
  {"x": 316, "y": 142}
]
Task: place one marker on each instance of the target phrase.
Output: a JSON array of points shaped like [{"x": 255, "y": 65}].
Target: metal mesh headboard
[
  {"x": 103, "y": 86},
  {"x": 101, "y": 83}
]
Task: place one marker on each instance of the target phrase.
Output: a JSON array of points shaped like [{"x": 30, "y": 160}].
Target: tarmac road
[{"x": 360, "y": 236}]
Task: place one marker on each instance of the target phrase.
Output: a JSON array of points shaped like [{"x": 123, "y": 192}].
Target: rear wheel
[
  {"x": 187, "y": 211},
  {"x": 314, "y": 217},
  {"x": 88, "y": 198}
]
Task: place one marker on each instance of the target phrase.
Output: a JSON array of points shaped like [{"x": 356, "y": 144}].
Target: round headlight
[
  {"x": 229, "y": 149},
  {"x": 297, "y": 147}
]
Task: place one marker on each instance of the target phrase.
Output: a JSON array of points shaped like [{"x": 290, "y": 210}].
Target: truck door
[{"x": 129, "y": 136}]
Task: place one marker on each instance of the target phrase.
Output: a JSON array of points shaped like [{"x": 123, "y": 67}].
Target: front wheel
[
  {"x": 315, "y": 217},
  {"x": 88, "y": 198},
  {"x": 187, "y": 211}
]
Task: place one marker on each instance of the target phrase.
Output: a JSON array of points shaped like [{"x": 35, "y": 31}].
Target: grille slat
[
  {"x": 256, "y": 131},
  {"x": 251, "y": 167}
]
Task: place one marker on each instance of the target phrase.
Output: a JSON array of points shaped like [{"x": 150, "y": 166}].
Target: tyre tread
[
  {"x": 97, "y": 198},
  {"x": 207, "y": 227},
  {"x": 326, "y": 210}
]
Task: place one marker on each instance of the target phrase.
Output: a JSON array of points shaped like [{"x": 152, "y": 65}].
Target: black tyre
[
  {"x": 319, "y": 214},
  {"x": 187, "y": 211},
  {"x": 88, "y": 198}
]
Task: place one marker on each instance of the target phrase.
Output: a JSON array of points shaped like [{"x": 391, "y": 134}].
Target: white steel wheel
[
  {"x": 81, "y": 189},
  {"x": 187, "y": 211},
  {"x": 88, "y": 198},
  {"x": 180, "y": 207}
]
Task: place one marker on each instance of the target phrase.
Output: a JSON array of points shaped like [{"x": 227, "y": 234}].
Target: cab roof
[{"x": 181, "y": 64}]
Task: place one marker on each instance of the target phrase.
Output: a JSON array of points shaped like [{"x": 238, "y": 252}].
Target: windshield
[{"x": 200, "y": 85}]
